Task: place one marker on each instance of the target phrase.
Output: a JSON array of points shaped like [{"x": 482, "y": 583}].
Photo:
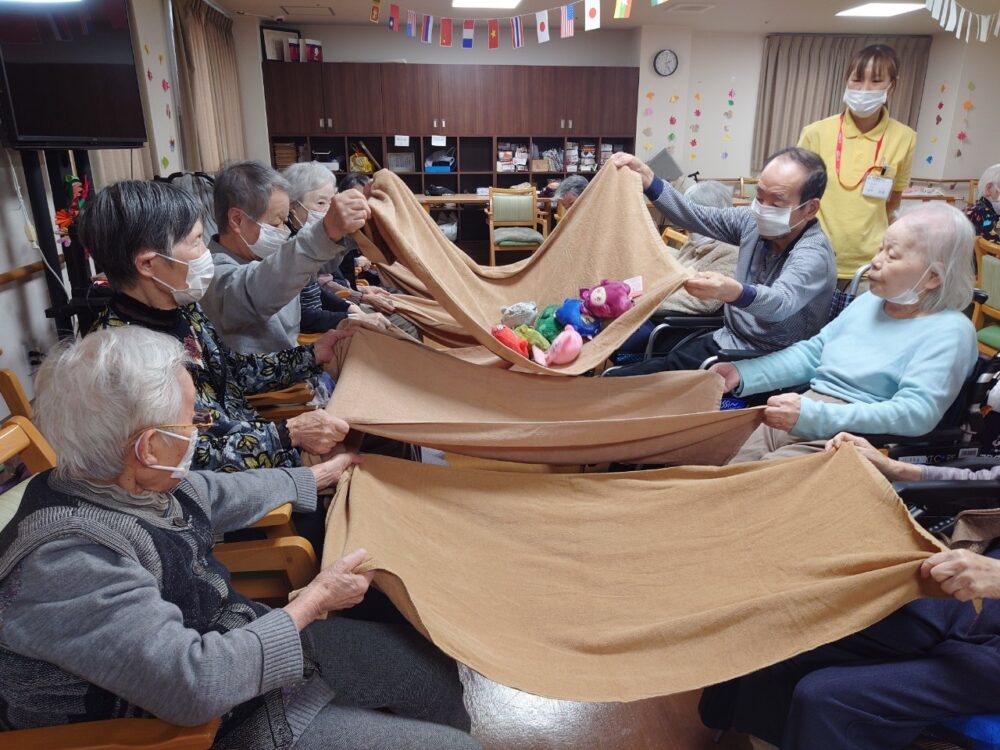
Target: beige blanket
[
  {"x": 398, "y": 388},
  {"x": 607, "y": 235},
  {"x": 612, "y": 587}
]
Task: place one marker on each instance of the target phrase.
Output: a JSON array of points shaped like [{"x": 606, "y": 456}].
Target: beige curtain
[
  {"x": 211, "y": 124},
  {"x": 112, "y": 165},
  {"x": 802, "y": 80}
]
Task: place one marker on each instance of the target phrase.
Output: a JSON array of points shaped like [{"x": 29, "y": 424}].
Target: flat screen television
[{"x": 68, "y": 77}]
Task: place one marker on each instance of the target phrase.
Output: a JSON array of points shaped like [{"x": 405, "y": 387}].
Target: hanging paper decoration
[
  {"x": 929, "y": 159},
  {"x": 650, "y": 95},
  {"x": 952, "y": 16},
  {"x": 411, "y": 23},
  {"x": 542, "y": 26},
  {"x": 967, "y": 105},
  {"x": 674, "y": 99},
  {"x": 516, "y": 32},
  {"x": 493, "y": 26},
  {"x": 567, "y": 20},
  {"x": 149, "y": 76},
  {"x": 694, "y": 128},
  {"x": 427, "y": 29},
  {"x": 160, "y": 58},
  {"x": 165, "y": 84},
  {"x": 672, "y": 120},
  {"x": 165, "y": 162},
  {"x": 376, "y": 11},
  {"x": 648, "y": 146},
  {"x": 468, "y": 33},
  {"x": 173, "y": 145},
  {"x": 648, "y": 132},
  {"x": 445, "y": 32},
  {"x": 962, "y": 136},
  {"x": 592, "y": 16},
  {"x": 623, "y": 8},
  {"x": 647, "y": 112},
  {"x": 725, "y": 155},
  {"x": 697, "y": 113},
  {"x": 393, "y": 18}
]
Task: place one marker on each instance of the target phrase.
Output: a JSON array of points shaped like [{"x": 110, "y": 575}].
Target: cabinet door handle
[
  {"x": 321, "y": 122},
  {"x": 435, "y": 123},
  {"x": 570, "y": 124},
  {"x": 329, "y": 122},
  {"x": 562, "y": 124},
  {"x": 443, "y": 123}
]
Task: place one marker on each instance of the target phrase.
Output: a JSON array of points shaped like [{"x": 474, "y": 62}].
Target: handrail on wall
[{"x": 23, "y": 272}]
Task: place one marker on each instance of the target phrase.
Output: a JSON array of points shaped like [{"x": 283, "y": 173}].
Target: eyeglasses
[{"x": 202, "y": 421}]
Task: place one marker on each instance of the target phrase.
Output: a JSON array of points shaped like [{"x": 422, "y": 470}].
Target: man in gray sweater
[
  {"x": 253, "y": 299},
  {"x": 785, "y": 270}
]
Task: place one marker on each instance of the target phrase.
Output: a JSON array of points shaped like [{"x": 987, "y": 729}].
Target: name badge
[{"x": 877, "y": 187}]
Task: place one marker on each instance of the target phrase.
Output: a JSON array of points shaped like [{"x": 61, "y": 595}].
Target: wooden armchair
[
  {"x": 284, "y": 404},
  {"x": 674, "y": 237},
  {"x": 987, "y": 279},
  {"x": 513, "y": 216},
  {"x": 13, "y": 394}
]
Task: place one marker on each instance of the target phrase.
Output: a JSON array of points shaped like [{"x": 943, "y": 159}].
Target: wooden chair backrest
[
  {"x": 18, "y": 437},
  {"x": 13, "y": 394}
]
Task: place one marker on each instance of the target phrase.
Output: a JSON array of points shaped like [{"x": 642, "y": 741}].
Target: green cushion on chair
[
  {"x": 990, "y": 335},
  {"x": 517, "y": 236},
  {"x": 513, "y": 207}
]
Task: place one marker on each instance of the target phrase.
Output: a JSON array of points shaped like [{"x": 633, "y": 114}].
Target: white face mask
[
  {"x": 200, "y": 272},
  {"x": 270, "y": 240},
  {"x": 772, "y": 221},
  {"x": 865, "y": 103},
  {"x": 910, "y": 296},
  {"x": 184, "y": 465}
]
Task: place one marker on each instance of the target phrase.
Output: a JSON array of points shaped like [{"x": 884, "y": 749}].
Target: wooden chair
[
  {"x": 13, "y": 394},
  {"x": 283, "y": 404},
  {"x": 674, "y": 237},
  {"x": 18, "y": 437},
  {"x": 748, "y": 188},
  {"x": 509, "y": 209},
  {"x": 987, "y": 279}
]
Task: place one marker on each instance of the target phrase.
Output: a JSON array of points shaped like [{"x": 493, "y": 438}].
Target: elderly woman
[
  {"x": 985, "y": 212},
  {"x": 147, "y": 237},
  {"x": 893, "y": 361},
  {"x": 254, "y": 300},
  {"x": 113, "y": 605},
  {"x": 568, "y": 191}
]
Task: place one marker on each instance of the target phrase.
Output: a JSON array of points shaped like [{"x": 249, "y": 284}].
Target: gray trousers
[
  {"x": 766, "y": 442},
  {"x": 392, "y": 689}
]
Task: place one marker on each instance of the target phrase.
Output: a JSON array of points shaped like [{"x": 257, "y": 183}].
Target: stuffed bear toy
[
  {"x": 571, "y": 313},
  {"x": 511, "y": 340},
  {"x": 609, "y": 299},
  {"x": 565, "y": 349},
  {"x": 519, "y": 314}
]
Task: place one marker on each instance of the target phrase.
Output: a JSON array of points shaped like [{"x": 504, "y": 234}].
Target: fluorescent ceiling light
[
  {"x": 499, "y": 4},
  {"x": 39, "y": 2},
  {"x": 881, "y": 10}
]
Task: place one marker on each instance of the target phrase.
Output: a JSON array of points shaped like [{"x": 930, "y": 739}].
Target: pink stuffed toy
[
  {"x": 565, "y": 349},
  {"x": 511, "y": 340},
  {"x": 609, "y": 299}
]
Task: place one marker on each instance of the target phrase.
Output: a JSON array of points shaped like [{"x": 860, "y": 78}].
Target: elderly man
[
  {"x": 259, "y": 272},
  {"x": 569, "y": 190},
  {"x": 118, "y": 539},
  {"x": 983, "y": 213},
  {"x": 785, "y": 271}
]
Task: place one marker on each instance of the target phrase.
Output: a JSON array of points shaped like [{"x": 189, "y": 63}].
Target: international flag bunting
[
  {"x": 393, "y": 18},
  {"x": 493, "y": 26},
  {"x": 566, "y": 18},
  {"x": 592, "y": 16},
  {"x": 516, "y": 32},
  {"x": 623, "y": 8},
  {"x": 542, "y": 26},
  {"x": 427, "y": 29},
  {"x": 411, "y": 23},
  {"x": 468, "y": 32},
  {"x": 445, "y": 32},
  {"x": 376, "y": 10},
  {"x": 658, "y": 2}
]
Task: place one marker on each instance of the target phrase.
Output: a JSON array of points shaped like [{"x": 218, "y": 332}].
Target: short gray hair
[
  {"x": 710, "y": 193},
  {"x": 574, "y": 184},
  {"x": 246, "y": 185},
  {"x": 305, "y": 176},
  {"x": 990, "y": 177},
  {"x": 946, "y": 239},
  {"x": 93, "y": 395}
]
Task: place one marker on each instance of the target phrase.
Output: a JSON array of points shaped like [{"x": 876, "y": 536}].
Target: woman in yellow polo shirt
[{"x": 868, "y": 158}]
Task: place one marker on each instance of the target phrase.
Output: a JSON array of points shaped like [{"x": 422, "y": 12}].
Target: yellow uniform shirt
[{"x": 855, "y": 224}]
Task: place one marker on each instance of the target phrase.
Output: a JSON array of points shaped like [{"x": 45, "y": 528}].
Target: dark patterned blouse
[{"x": 984, "y": 217}]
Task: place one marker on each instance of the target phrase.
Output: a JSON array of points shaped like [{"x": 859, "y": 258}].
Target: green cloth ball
[{"x": 547, "y": 325}]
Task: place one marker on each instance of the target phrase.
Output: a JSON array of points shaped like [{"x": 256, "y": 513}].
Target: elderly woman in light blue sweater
[{"x": 892, "y": 362}]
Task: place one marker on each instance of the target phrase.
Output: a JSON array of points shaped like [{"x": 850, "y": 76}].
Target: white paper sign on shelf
[
  {"x": 402, "y": 140},
  {"x": 439, "y": 140}
]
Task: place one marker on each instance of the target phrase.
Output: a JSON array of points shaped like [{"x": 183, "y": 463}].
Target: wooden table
[{"x": 460, "y": 199}]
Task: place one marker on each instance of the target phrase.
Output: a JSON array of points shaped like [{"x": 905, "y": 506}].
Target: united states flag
[{"x": 566, "y": 18}]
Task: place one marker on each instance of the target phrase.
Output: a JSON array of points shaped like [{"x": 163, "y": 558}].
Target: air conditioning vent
[
  {"x": 308, "y": 10},
  {"x": 688, "y": 8}
]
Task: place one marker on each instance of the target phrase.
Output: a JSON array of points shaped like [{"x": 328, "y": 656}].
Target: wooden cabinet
[
  {"x": 467, "y": 97},
  {"x": 352, "y": 97},
  {"x": 410, "y": 100},
  {"x": 293, "y": 96}
]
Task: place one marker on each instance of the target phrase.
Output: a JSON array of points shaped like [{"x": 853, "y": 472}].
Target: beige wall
[
  {"x": 160, "y": 105},
  {"x": 246, "y": 36}
]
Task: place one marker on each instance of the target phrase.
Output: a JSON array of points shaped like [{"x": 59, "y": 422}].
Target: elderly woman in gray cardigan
[{"x": 112, "y": 604}]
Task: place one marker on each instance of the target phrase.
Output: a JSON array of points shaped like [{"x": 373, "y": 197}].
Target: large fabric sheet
[
  {"x": 615, "y": 587},
  {"x": 608, "y": 234},
  {"x": 403, "y": 390}
]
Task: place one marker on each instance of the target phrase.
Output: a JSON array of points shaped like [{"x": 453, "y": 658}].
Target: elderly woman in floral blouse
[{"x": 147, "y": 237}]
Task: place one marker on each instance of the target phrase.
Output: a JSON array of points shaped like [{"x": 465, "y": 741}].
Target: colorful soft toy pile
[{"x": 556, "y": 335}]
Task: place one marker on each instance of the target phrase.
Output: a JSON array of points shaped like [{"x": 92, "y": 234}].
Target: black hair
[
  {"x": 353, "y": 180},
  {"x": 814, "y": 184},
  {"x": 130, "y": 216}
]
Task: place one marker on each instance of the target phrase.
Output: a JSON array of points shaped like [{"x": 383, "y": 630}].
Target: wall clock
[{"x": 665, "y": 62}]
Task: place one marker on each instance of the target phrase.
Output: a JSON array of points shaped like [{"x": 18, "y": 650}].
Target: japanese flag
[
  {"x": 542, "y": 26},
  {"x": 592, "y": 15}
]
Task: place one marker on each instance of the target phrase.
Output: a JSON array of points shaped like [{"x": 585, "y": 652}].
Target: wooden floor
[{"x": 508, "y": 719}]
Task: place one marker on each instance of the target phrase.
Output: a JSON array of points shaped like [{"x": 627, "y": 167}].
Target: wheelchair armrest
[
  {"x": 735, "y": 355},
  {"x": 688, "y": 321},
  {"x": 949, "y": 497},
  {"x": 947, "y": 437},
  {"x": 979, "y": 296},
  {"x": 975, "y": 462}
]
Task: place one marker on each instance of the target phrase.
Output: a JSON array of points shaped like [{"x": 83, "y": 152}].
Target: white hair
[
  {"x": 946, "y": 239},
  {"x": 990, "y": 177},
  {"x": 93, "y": 395},
  {"x": 306, "y": 176},
  {"x": 710, "y": 193}
]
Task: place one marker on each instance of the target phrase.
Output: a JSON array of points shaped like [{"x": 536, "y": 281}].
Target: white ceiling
[{"x": 767, "y": 16}]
